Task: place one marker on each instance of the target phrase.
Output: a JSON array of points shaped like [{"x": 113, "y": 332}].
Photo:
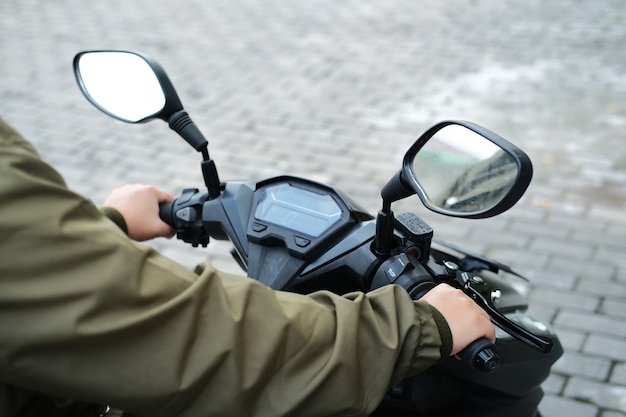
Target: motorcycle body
[{"x": 293, "y": 234}]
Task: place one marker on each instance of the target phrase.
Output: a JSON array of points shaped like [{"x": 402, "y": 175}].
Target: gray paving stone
[
  {"x": 561, "y": 247},
  {"x": 603, "y": 288},
  {"x": 608, "y": 213},
  {"x": 593, "y": 367},
  {"x": 541, "y": 273},
  {"x": 583, "y": 268},
  {"x": 573, "y": 300},
  {"x": 610, "y": 347},
  {"x": 611, "y": 255},
  {"x": 554, "y": 384},
  {"x": 614, "y": 307},
  {"x": 607, "y": 396},
  {"x": 553, "y": 406},
  {"x": 598, "y": 324},
  {"x": 619, "y": 374}
]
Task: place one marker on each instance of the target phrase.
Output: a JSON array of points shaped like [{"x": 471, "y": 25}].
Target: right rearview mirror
[{"x": 461, "y": 169}]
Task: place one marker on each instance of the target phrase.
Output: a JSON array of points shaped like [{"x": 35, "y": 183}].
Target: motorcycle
[{"x": 293, "y": 234}]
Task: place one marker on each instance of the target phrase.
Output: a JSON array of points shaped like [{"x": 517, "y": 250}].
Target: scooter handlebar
[
  {"x": 410, "y": 274},
  {"x": 165, "y": 212}
]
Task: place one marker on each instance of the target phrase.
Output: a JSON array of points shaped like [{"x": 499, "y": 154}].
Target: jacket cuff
[
  {"x": 115, "y": 216},
  {"x": 444, "y": 332}
]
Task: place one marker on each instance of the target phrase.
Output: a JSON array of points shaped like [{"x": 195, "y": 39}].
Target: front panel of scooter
[
  {"x": 292, "y": 222},
  {"x": 297, "y": 214}
]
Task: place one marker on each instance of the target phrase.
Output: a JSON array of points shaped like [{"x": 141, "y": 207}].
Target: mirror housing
[
  {"x": 126, "y": 85},
  {"x": 134, "y": 88},
  {"x": 461, "y": 169}
]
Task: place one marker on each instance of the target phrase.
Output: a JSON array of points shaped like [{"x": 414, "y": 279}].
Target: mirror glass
[
  {"x": 461, "y": 171},
  {"x": 122, "y": 84}
]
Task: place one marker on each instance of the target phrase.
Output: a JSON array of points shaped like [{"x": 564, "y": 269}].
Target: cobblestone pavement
[{"x": 337, "y": 91}]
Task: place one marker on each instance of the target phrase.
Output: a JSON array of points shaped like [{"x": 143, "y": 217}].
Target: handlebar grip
[
  {"x": 165, "y": 212},
  {"x": 482, "y": 354}
]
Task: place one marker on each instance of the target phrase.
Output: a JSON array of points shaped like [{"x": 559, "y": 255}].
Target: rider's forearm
[{"x": 88, "y": 314}]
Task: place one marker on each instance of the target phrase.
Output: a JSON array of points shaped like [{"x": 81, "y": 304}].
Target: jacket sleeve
[{"x": 88, "y": 314}]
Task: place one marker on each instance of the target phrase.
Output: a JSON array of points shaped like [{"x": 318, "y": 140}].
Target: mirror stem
[
  {"x": 211, "y": 179},
  {"x": 182, "y": 124},
  {"x": 384, "y": 230}
]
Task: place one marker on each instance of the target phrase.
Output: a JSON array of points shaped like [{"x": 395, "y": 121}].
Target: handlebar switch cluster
[
  {"x": 405, "y": 271},
  {"x": 184, "y": 214}
]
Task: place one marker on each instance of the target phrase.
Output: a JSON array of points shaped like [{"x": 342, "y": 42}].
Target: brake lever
[{"x": 480, "y": 291}]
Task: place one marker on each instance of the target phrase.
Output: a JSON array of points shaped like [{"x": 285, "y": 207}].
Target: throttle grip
[
  {"x": 407, "y": 272},
  {"x": 482, "y": 354}
]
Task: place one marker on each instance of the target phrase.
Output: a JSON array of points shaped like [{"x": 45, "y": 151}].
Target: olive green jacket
[{"x": 87, "y": 314}]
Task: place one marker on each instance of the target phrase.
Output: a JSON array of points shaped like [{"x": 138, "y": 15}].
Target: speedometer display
[{"x": 297, "y": 209}]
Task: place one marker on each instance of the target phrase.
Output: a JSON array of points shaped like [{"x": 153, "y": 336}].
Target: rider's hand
[
  {"x": 467, "y": 321},
  {"x": 139, "y": 205}
]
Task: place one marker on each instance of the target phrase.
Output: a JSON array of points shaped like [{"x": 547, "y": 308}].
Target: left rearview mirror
[
  {"x": 134, "y": 88},
  {"x": 121, "y": 84}
]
